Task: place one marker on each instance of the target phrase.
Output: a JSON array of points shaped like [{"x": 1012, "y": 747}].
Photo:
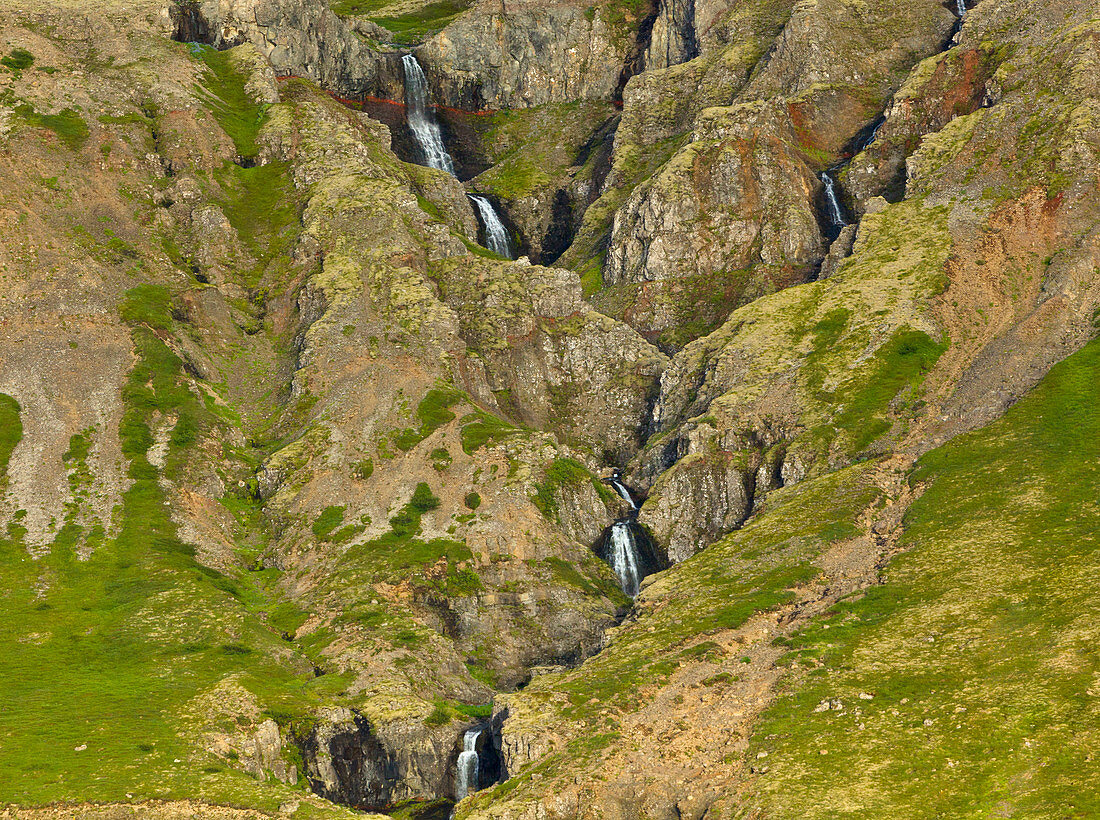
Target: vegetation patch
[
  {"x": 972, "y": 663},
  {"x": 262, "y": 206},
  {"x": 480, "y": 428},
  {"x": 408, "y": 28},
  {"x": 67, "y": 124},
  {"x": 447, "y": 710},
  {"x": 223, "y": 93},
  {"x": 563, "y": 472},
  {"x": 11, "y": 431},
  {"x": 18, "y": 59},
  {"x": 400, "y": 555},
  {"x": 433, "y": 411},
  {"x": 131, "y": 630}
]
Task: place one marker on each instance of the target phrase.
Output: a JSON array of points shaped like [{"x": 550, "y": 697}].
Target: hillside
[{"x": 314, "y": 506}]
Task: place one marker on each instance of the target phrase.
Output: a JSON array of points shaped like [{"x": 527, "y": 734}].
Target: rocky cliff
[{"x": 311, "y": 505}]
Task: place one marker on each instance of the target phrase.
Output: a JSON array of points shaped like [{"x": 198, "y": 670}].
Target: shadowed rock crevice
[
  {"x": 347, "y": 763},
  {"x": 636, "y": 56},
  {"x": 189, "y": 24}
]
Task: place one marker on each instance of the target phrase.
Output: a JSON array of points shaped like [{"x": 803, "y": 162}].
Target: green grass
[
  {"x": 400, "y": 555},
  {"x": 102, "y": 655},
  {"x": 260, "y": 202},
  {"x": 411, "y": 27},
  {"x": 149, "y": 305},
  {"x": 563, "y": 472},
  {"x": 480, "y": 429},
  {"x": 223, "y": 93},
  {"x": 11, "y": 431},
  {"x": 447, "y": 710},
  {"x": 67, "y": 124},
  {"x": 980, "y": 649},
  {"x": 433, "y": 412},
  {"x": 897, "y": 369},
  {"x": 328, "y": 521},
  {"x": 18, "y": 59},
  {"x": 262, "y": 206}
]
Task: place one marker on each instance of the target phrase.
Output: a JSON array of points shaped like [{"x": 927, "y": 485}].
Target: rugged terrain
[{"x": 300, "y": 483}]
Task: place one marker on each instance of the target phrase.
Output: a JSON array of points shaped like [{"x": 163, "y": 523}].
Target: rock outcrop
[
  {"x": 298, "y": 484},
  {"x": 734, "y": 206},
  {"x": 502, "y": 56},
  {"x": 301, "y": 38}
]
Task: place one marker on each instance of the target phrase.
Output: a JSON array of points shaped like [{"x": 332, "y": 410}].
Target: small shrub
[
  {"x": 18, "y": 59},
  {"x": 423, "y": 499},
  {"x": 362, "y": 470}
]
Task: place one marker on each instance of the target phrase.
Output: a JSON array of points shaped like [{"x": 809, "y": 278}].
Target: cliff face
[
  {"x": 300, "y": 484},
  {"x": 527, "y": 53},
  {"x": 298, "y": 37}
]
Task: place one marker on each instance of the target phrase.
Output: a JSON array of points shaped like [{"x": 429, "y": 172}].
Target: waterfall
[
  {"x": 625, "y": 545},
  {"x": 621, "y": 489},
  {"x": 867, "y": 143},
  {"x": 422, "y": 123},
  {"x": 467, "y": 775},
  {"x": 624, "y": 556},
  {"x": 960, "y": 8},
  {"x": 836, "y": 213},
  {"x": 496, "y": 235},
  {"x": 429, "y": 136}
]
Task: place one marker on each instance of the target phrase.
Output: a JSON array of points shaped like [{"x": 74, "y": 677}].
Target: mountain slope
[{"x": 301, "y": 487}]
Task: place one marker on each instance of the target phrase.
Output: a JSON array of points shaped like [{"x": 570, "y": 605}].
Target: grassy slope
[
  {"x": 980, "y": 650},
  {"x": 103, "y": 653},
  {"x": 110, "y": 638}
]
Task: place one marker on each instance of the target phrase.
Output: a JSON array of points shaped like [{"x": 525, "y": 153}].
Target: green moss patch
[
  {"x": 105, "y": 650},
  {"x": 69, "y": 126},
  {"x": 410, "y": 27},
  {"x": 18, "y": 59},
  {"x": 563, "y": 472},
  {"x": 401, "y": 555},
  {"x": 11, "y": 431},
  {"x": 433, "y": 411},
  {"x": 262, "y": 206},
  {"x": 223, "y": 93}
]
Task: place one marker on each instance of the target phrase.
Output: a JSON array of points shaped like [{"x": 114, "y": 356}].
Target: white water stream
[
  {"x": 429, "y": 136},
  {"x": 624, "y": 557},
  {"x": 422, "y": 123},
  {"x": 467, "y": 774},
  {"x": 836, "y": 213},
  {"x": 496, "y": 235}
]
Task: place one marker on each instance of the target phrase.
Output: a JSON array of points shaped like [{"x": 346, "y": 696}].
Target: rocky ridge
[{"x": 343, "y": 467}]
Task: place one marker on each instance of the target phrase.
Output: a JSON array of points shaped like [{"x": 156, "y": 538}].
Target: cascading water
[
  {"x": 429, "y": 136},
  {"x": 496, "y": 235},
  {"x": 466, "y": 777},
  {"x": 960, "y": 8},
  {"x": 871, "y": 137},
  {"x": 836, "y": 212},
  {"x": 422, "y": 123},
  {"x": 625, "y": 545},
  {"x": 622, "y": 490},
  {"x": 623, "y": 554}
]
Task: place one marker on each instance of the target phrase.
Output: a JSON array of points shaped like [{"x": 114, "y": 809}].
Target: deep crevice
[
  {"x": 635, "y": 56},
  {"x": 189, "y": 23}
]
